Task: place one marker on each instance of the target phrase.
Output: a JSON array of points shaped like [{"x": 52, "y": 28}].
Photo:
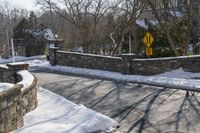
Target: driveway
[{"x": 137, "y": 108}]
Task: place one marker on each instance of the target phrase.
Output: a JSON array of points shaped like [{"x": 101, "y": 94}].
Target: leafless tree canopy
[
  {"x": 110, "y": 26},
  {"x": 9, "y": 17}
]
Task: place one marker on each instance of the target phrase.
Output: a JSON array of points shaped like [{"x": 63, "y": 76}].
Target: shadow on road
[{"x": 138, "y": 108}]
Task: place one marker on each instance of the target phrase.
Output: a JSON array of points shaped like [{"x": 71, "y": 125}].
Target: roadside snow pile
[
  {"x": 44, "y": 65},
  {"x": 21, "y": 58},
  {"x": 179, "y": 80},
  {"x": 179, "y": 73},
  {"x": 55, "y": 114}
]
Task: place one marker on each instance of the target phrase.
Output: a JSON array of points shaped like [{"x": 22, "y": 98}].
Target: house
[
  {"x": 33, "y": 43},
  {"x": 31, "y": 37}
]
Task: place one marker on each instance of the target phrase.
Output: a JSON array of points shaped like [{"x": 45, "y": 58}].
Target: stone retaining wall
[
  {"x": 88, "y": 61},
  {"x": 161, "y": 65},
  {"x": 126, "y": 64},
  {"x": 10, "y": 109},
  {"x": 29, "y": 97},
  {"x": 16, "y": 101},
  {"x": 6, "y": 74}
]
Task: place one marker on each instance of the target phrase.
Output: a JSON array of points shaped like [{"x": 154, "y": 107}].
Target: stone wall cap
[
  {"x": 127, "y": 54},
  {"x": 87, "y": 54},
  {"x": 167, "y": 58},
  {"x": 27, "y": 79},
  {"x": 17, "y": 64},
  {"x": 52, "y": 47},
  {"x": 4, "y": 66}
]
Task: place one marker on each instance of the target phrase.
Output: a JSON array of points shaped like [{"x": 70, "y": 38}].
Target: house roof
[
  {"x": 142, "y": 23},
  {"x": 46, "y": 33}
]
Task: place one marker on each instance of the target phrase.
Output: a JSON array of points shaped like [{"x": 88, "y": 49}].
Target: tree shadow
[
  {"x": 190, "y": 101},
  {"x": 123, "y": 113},
  {"x": 145, "y": 118}
]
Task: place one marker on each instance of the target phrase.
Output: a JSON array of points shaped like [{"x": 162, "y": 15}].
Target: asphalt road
[{"x": 137, "y": 108}]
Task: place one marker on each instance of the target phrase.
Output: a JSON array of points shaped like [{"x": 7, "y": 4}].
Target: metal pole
[{"x": 13, "y": 51}]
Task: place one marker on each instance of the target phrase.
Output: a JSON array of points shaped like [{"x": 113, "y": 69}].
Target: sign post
[
  {"x": 148, "y": 40},
  {"x": 13, "y": 51}
]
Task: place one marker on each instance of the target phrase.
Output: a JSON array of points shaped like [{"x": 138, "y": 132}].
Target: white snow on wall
[
  {"x": 93, "y": 55},
  {"x": 168, "y": 58},
  {"x": 5, "y": 86},
  {"x": 56, "y": 114},
  {"x": 27, "y": 78}
]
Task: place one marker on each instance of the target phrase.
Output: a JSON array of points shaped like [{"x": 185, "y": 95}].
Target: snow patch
[
  {"x": 176, "y": 14},
  {"x": 21, "y": 58},
  {"x": 142, "y": 23},
  {"x": 56, "y": 114},
  {"x": 157, "y": 80},
  {"x": 179, "y": 73}
]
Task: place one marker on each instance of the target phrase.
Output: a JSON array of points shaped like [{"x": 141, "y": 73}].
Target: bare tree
[
  {"x": 128, "y": 12},
  {"x": 9, "y": 17},
  {"x": 180, "y": 27},
  {"x": 83, "y": 15}
]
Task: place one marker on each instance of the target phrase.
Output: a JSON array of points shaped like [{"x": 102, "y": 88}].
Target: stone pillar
[
  {"x": 126, "y": 63},
  {"x": 52, "y": 55},
  {"x": 17, "y": 66},
  {"x": 5, "y": 54}
]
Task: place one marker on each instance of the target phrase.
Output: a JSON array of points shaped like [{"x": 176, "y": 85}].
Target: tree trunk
[
  {"x": 163, "y": 26},
  {"x": 136, "y": 51},
  {"x": 117, "y": 48},
  {"x": 172, "y": 44}
]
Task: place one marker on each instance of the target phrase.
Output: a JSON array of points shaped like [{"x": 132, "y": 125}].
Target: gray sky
[{"x": 28, "y": 4}]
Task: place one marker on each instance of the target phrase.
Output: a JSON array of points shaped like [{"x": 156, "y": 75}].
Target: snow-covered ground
[
  {"x": 55, "y": 114},
  {"x": 20, "y": 58},
  {"x": 43, "y": 64},
  {"x": 70, "y": 117}
]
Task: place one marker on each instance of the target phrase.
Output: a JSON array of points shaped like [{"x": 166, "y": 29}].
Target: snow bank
[
  {"x": 27, "y": 78},
  {"x": 168, "y": 58},
  {"x": 55, "y": 114},
  {"x": 5, "y": 86},
  {"x": 179, "y": 73},
  {"x": 158, "y": 80},
  {"x": 20, "y": 58},
  {"x": 44, "y": 65}
]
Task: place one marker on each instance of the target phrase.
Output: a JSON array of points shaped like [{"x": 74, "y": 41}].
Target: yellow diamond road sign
[{"x": 148, "y": 39}]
